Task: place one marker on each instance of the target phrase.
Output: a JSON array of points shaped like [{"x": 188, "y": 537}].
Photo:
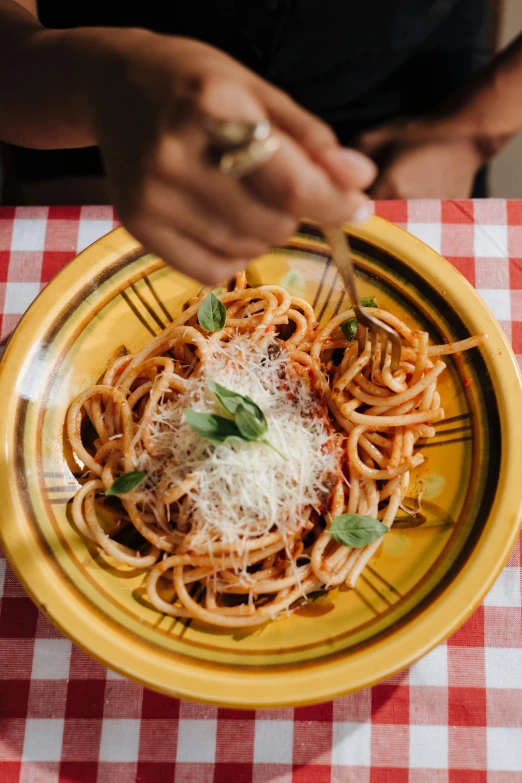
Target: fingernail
[{"x": 361, "y": 214}]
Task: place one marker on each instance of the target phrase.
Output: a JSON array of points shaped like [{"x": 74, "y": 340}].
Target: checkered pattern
[{"x": 454, "y": 717}]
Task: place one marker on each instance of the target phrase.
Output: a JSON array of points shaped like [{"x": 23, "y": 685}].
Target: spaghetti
[{"x": 237, "y": 532}]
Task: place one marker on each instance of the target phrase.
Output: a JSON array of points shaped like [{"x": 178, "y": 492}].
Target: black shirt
[{"x": 355, "y": 63}]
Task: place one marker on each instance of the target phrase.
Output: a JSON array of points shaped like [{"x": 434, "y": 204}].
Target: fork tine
[
  {"x": 384, "y": 350},
  {"x": 341, "y": 254},
  {"x": 374, "y": 342},
  {"x": 362, "y": 336},
  {"x": 395, "y": 355}
]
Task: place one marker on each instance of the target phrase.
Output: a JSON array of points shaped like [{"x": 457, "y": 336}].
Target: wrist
[{"x": 98, "y": 61}]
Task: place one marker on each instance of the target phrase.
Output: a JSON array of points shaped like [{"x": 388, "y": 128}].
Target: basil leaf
[
  {"x": 212, "y": 314},
  {"x": 349, "y": 329},
  {"x": 126, "y": 483},
  {"x": 249, "y": 425},
  {"x": 231, "y": 400},
  {"x": 356, "y": 530},
  {"x": 249, "y": 420},
  {"x": 214, "y": 428}
]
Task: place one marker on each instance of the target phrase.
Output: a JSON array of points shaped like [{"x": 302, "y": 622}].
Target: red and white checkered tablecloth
[{"x": 454, "y": 717}]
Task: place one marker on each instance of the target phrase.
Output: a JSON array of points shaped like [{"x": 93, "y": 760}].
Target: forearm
[
  {"x": 49, "y": 78},
  {"x": 489, "y": 109}
]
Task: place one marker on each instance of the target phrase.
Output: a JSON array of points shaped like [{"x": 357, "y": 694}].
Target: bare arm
[
  {"x": 29, "y": 5},
  {"x": 438, "y": 155},
  {"x": 47, "y": 79},
  {"x": 489, "y": 108},
  {"x": 141, "y": 96}
]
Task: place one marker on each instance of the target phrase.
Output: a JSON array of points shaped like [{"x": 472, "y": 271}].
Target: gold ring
[
  {"x": 243, "y": 147},
  {"x": 245, "y": 160}
]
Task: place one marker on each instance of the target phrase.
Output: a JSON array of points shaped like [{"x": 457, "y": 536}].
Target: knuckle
[
  {"x": 202, "y": 88},
  {"x": 207, "y": 91}
]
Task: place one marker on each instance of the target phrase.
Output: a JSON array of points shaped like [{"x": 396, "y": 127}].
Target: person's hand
[
  {"x": 168, "y": 193},
  {"x": 418, "y": 160}
]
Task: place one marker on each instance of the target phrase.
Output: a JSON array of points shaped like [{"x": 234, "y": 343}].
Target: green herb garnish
[
  {"x": 212, "y": 314},
  {"x": 250, "y": 425},
  {"x": 355, "y": 530},
  {"x": 249, "y": 422},
  {"x": 126, "y": 483},
  {"x": 231, "y": 400},
  {"x": 349, "y": 329},
  {"x": 214, "y": 428}
]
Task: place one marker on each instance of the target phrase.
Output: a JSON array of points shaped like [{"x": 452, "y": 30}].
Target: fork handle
[{"x": 338, "y": 242}]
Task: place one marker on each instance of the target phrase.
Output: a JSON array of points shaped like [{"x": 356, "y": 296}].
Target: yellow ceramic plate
[{"x": 422, "y": 584}]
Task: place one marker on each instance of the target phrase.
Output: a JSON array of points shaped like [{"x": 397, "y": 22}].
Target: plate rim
[{"x": 323, "y": 679}]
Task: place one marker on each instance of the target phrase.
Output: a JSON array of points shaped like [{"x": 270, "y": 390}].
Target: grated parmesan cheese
[{"x": 244, "y": 490}]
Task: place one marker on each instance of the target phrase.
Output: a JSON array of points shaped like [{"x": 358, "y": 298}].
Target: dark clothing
[{"x": 354, "y": 64}]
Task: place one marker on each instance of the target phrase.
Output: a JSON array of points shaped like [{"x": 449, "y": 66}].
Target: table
[{"x": 454, "y": 717}]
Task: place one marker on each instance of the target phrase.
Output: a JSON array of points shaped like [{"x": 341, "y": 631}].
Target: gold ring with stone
[{"x": 243, "y": 147}]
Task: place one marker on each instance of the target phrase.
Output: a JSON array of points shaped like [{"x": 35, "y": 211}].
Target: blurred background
[{"x": 505, "y": 179}]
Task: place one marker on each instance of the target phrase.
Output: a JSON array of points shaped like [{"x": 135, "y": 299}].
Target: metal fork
[{"x": 367, "y": 325}]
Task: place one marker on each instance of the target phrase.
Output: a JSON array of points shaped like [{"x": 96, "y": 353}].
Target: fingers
[
  {"x": 182, "y": 165},
  {"x": 291, "y": 182},
  {"x": 186, "y": 255},
  {"x": 195, "y": 218},
  {"x": 208, "y": 225},
  {"x": 347, "y": 168},
  {"x": 228, "y": 100},
  {"x": 225, "y": 219},
  {"x": 309, "y": 176},
  {"x": 310, "y": 132}
]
